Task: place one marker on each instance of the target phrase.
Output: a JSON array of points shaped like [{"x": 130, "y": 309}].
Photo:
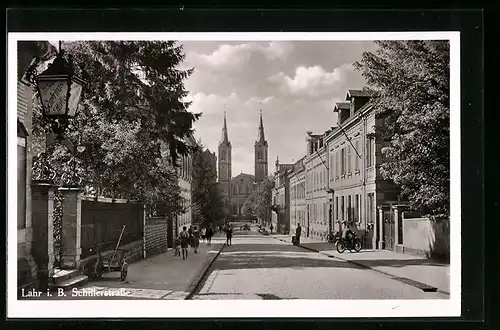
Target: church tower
[
  {"x": 260, "y": 154},
  {"x": 224, "y": 160}
]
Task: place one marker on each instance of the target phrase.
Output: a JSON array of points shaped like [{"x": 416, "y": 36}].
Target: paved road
[{"x": 261, "y": 267}]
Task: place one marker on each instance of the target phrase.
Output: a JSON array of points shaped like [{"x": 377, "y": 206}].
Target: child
[
  {"x": 177, "y": 247},
  {"x": 184, "y": 238}
]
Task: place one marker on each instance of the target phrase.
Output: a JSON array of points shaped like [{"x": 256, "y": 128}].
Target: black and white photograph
[{"x": 234, "y": 174}]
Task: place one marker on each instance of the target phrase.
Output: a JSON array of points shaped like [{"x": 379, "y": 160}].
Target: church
[{"x": 239, "y": 188}]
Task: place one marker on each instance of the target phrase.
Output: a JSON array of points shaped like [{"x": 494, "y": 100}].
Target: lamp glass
[
  {"x": 74, "y": 97},
  {"x": 80, "y": 148},
  {"x": 53, "y": 94}
]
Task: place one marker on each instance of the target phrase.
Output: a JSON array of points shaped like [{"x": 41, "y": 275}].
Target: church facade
[{"x": 237, "y": 189}]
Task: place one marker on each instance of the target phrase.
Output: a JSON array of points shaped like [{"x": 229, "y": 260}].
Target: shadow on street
[{"x": 248, "y": 256}]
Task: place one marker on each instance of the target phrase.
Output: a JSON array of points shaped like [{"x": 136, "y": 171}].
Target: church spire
[
  {"x": 224, "y": 138},
  {"x": 260, "y": 136}
]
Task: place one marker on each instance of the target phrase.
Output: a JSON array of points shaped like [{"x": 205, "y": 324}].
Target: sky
[{"x": 294, "y": 84}]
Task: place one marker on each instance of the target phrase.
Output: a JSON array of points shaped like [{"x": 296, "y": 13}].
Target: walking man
[
  {"x": 298, "y": 232},
  {"x": 209, "y": 233},
  {"x": 184, "y": 237},
  {"x": 229, "y": 235}
]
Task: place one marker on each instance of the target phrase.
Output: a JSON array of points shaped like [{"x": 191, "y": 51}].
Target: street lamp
[{"x": 60, "y": 90}]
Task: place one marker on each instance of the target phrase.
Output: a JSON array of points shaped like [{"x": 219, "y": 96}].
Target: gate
[{"x": 389, "y": 229}]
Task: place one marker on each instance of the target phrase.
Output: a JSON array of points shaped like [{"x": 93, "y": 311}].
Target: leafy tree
[
  {"x": 247, "y": 206},
  {"x": 412, "y": 78},
  {"x": 259, "y": 202},
  {"x": 208, "y": 202},
  {"x": 132, "y": 120}
]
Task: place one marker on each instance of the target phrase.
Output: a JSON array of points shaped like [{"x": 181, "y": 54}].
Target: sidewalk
[
  {"x": 160, "y": 277},
  {"x": 401, "y": 266}
]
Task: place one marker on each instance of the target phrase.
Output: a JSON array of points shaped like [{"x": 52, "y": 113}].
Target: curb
[
  {"x": 195, "y": 283},
  {"x": 384, "y": 273}
]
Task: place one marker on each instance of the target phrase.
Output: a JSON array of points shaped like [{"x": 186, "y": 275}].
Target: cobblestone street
[{"x": 262, "y": 267}]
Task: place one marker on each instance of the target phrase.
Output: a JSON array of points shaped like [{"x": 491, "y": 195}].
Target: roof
[
  {"x": 342, "y": 105},
  {"x": 359, "y": 93},
  {"x": 244, "y": 175}
]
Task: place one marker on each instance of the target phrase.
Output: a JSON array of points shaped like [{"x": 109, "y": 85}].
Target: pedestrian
[
  {"x": 177, "y": 246},
  {"x": 184, "y": 238},
  {"x": 195, "y": 239},
  {"x": 209, "y": 233},
  {"x": 298, "y": 232},
  {"x": 229, "y": 235},
  {"x": 272, "y": 229},
  {"x": 203, "y": 234}
]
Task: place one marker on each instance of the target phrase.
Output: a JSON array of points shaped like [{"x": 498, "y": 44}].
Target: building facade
[
  {"x": 27, "y": 51},
  {"x": 339, "y": 179},
  {"x": 297, "y": 196},
  {"x": 281, "y": 197},
  {"x": 242, "y": 187},
  {"x": 185, "y": 172},
  {"x": 354, "y": 154},
  {"x": 238, "y": 189},
  {"x": 316, "y": 185}
]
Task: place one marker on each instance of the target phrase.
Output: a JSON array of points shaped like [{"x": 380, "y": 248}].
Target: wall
[
  {"x": 102, "y": 221},
  {"x": 426, "y": 237},
  {"x": 156, "y": 236}
]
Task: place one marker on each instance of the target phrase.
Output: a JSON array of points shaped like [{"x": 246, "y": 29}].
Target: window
[
  {"x": 223, "y": 155},
  {"x": 343, "y": 162},
  {"x": 337, "y": 164},
  {"x": 370, "y": 208},
  {"x": 349, "y": 156},
  {"x": 342, "y": 214},
  {"x": 356, "y": 157},
  {"x": 349, "y": 208},
  {"x": 336, "y": 208},
  {"x": 370, "y": 144}
]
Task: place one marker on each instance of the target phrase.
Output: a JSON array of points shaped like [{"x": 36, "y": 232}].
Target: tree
[
  {"x": 412, "y": 78},
  {"x": 247, "y": 209},
  {"x": 132, "y": 119},
  {"x": 259, "y": 202},
  {"x": 208, "y": 200}
]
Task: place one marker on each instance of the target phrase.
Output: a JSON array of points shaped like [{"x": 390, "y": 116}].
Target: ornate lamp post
[{"x": 60, "y": 90}]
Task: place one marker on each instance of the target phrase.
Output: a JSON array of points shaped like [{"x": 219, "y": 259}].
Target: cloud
[{"x": 314, "y": 81}]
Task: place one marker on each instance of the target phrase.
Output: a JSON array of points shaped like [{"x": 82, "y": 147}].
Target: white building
[
  {"x": 297, "y": 196},
  {"x": 185, "y": 172}
]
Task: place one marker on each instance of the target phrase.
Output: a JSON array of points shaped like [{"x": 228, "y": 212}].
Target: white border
[{"x": 240, "y": 308}]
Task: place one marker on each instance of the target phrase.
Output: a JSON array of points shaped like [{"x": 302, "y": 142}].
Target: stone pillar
[
  {"x": 71, "y": 227},
  {"x": 43, "y": 230},
  {"x": 380, "y": 231},
  {"x": 398, "y": 210}
]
